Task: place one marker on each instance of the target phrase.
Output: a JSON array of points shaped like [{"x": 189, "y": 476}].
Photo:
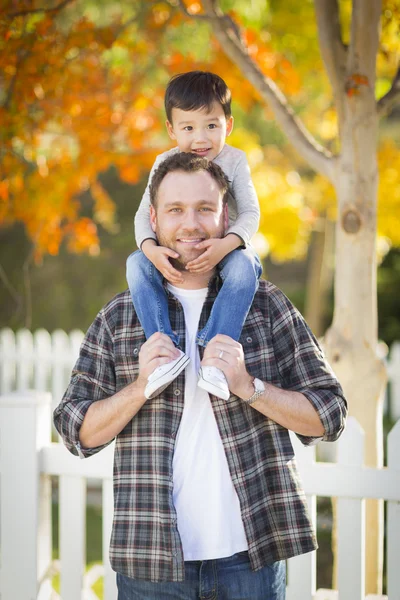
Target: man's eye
[
  {"x": 205, "y": 209},
  {"x": 175, "y": 210}
]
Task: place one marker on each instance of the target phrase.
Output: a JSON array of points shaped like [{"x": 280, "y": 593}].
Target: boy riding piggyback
[{"x": 198, "y": 109}]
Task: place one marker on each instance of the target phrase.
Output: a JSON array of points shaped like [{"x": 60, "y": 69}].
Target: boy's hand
[
  {"x": 159, "y": 256},
  {"x": 215, "y": 250}
]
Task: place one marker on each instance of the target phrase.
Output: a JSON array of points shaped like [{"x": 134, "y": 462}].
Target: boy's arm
[
  {"x": 248, "y": 208},
  {"x": 242, "y": 230}
]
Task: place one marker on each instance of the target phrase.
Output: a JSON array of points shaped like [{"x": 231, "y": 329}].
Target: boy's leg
[
  {"x": 151, "y": 305},
  {"x": 148, "y": 296},
  {"x": 240, "y": 272}
]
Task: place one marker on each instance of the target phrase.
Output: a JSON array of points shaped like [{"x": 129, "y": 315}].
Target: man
[{"x": 206, "y": 493}]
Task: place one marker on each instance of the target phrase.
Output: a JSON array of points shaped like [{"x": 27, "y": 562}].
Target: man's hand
[
  {"x": 226, "y": 354},
  {"x": 159, "y": 256},
  {"x": 215, "y": 250},
  {"x": 158, "y": 350}
]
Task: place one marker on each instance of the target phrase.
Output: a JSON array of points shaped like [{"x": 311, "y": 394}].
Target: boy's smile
[{"x": 200, "y": 131}]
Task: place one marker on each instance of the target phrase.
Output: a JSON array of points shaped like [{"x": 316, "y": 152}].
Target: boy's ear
[
  {"x": 153, "y": 218},
  {"x": 171, "y": 134},
  {"x": 229, "y": 126}
]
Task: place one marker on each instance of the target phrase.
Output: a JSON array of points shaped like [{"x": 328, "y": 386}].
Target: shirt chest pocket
[
  {"x": 259, "y": 352},
  {"x": 126, "y": 368}
]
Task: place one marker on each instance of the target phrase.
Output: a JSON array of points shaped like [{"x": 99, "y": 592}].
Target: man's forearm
[
  {"x": 288, "y": 408},
  {"x": 106, "y": 418}
]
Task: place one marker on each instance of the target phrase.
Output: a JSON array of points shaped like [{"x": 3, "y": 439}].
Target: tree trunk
[
  {"x": 319, "y": 275},
  {"x": 351, "y": 342}
]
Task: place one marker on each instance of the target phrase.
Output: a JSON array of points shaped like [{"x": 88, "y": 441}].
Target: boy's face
[{"x": 201, "y": 132}]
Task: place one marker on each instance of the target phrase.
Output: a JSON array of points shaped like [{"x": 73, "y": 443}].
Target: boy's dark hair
[
  {"x": 189, "y": 163},
  {"x": 196, "y": 90}
]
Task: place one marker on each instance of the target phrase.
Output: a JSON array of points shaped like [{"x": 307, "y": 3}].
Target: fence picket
[
  {"x": 24, "y": 353},
  {"x": 351, "y": 520},
  {"x": 72, "y": 497},
  {"x": 61, "y": 354},
  {"x": 7, "y": 361},
  {"x": 42, "y": 360},
  {"x": 302, "y": 570},
  {"x": 110, "y": 587},
  {"x": 393, "y": 519},
  {"x": 393, "y": 369}
]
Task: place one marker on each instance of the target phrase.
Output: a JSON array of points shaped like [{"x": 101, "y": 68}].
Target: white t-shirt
[{"x": 208, "y": 510}]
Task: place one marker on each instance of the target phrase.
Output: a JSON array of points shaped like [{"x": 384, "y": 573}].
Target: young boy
[{"x": 198, "y": 109}]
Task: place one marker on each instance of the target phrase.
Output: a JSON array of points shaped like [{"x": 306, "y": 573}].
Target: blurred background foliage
[{"x": 81, "y": 121}]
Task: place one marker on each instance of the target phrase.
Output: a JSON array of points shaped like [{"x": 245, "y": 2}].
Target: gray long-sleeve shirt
[{"x": 243, "y": 207}]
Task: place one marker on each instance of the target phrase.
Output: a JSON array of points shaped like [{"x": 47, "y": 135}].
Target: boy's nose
[{"x": 201, "y": 136}]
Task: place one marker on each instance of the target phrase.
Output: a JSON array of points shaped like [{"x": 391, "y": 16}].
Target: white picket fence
[
  {"x": 43, "y": 361},
  {"x": 28, "y": 459}
]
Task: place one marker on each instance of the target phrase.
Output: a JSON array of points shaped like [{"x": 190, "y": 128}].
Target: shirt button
[
  {"x": 249, "y": 339},
  {"x": 135, "y": 352},
  {"x": 177, "y": 392}
]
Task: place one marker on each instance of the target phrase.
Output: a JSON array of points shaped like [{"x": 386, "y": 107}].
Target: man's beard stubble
[{"x": 181, "y": 262}]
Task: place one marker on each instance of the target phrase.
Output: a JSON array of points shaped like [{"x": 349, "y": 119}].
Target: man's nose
[{"x": 190, "y": 220}]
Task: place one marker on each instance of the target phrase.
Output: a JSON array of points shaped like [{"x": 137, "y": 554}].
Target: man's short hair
[
  {"x": 188, "y": 163},
  {"x": 197, "y": 90}
]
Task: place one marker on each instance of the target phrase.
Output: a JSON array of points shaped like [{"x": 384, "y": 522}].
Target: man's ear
[
  {"x": 170, "y": 130},
  {"x": 226, "y": 216},
  {"x": 153, "y": 218},
  {"x": 229, "y": 126}
]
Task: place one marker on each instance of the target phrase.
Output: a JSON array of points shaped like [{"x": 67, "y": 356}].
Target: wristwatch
[{"x": 259, "y": 389}]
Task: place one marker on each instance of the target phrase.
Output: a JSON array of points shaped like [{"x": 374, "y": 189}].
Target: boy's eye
[
  {"x": 188, "y": 128},
  {"x": 212, "y": 126}
]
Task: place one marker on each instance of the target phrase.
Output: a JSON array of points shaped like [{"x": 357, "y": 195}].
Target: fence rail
[
  {"x": 43, "y": 361},
  {"x": 28, "y": 459}
]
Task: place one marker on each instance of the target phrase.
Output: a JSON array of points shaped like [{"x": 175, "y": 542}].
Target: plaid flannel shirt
[{"x": 279, "y": 348}]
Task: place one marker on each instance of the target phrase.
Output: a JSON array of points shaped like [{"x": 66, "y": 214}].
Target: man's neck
[{"x": 194, "y": 281}]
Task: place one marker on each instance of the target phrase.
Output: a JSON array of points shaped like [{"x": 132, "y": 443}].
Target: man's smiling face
[{"x": 189, "y": 209}]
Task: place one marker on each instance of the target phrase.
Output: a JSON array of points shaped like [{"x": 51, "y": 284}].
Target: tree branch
[
  {"x": 333, "y": 51},
  {"x": 226, "y": 31},
  {"x": 364, "y": 39},
  {"x": 22, "y": 13},
  {"x": 391, "y": 98},
  {"x": 217, "y": 14}
]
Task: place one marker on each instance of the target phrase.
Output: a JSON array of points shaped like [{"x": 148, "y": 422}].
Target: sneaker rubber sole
[
  {"x": 211, "y": 388},
  {"x": 153, "y": 388}
]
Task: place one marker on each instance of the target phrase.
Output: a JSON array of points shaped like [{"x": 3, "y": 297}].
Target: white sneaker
[
  {"x": 214, "y": 381},
  {"x": 163, "y": 375}
]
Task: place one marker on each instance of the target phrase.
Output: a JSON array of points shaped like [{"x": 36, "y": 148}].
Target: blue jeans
[
  {"x": 240, "y": 271},
  {"x": 223, "y": 579}
]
